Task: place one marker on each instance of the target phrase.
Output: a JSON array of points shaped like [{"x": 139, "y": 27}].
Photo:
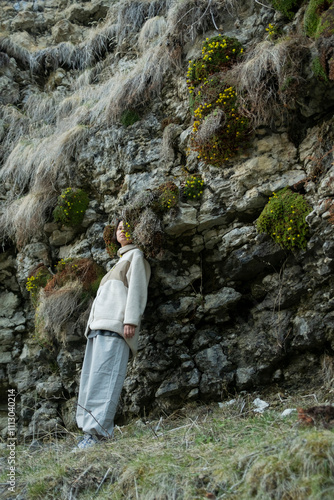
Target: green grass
[
  {"x": 196, "y": 453},
  {"x": 129, "y": 117},
  {"x": 312, "y": 19}
]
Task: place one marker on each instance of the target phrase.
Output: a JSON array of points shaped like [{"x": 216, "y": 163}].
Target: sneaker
[{"x": 87, "y": 441}]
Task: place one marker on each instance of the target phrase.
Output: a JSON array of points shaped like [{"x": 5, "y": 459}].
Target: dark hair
[{"x": 114, "y": 236}]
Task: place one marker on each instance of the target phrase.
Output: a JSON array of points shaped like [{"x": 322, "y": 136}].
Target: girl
[{"x": 112, "y": 332}]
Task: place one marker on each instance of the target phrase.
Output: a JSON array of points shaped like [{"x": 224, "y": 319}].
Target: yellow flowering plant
[
  {"x": 272, "y": 31},
  {"x": 220, "y": 130},
  {"x": 168, "y": 196},
  {"x": 71, "y": 207},
  {"x": 218, "y": 54},
  {"x": 220, "y": 127},
  {"x": 193, "y": 187},
  {"x": 283, "y": 219},
  {"x": 36, "y": 280}
]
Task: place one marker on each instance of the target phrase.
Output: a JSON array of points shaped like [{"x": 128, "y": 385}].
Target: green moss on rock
[{"x": 316, "y": 20}]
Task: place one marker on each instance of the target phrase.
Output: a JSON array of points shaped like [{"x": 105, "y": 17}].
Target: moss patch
[
  {"x": 287, "y": 7},
  {"x": 316, "y": 20},
  {"x": 283, "y": 219},
  {"x": 326, "y": 23}
]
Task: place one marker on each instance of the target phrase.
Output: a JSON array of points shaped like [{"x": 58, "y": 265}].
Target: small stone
[
  {"x": 260, "y": 405},
  {"x": 287, "y": 412}
]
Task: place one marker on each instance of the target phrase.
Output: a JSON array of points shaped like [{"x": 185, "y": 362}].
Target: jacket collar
[{"x": 121, "y": 251}]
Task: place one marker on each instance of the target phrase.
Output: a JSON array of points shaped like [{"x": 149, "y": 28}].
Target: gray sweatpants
[{"x": 102, "y": 378}]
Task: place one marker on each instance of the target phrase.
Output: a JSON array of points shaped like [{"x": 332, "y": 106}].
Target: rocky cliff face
[{"x": 229, "y": 309}]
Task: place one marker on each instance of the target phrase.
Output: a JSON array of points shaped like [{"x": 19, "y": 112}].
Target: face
[{"x": 121, "y": 235}]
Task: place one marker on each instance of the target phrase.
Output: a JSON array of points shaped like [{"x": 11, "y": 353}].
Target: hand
[{"x": 129, "y": 331}]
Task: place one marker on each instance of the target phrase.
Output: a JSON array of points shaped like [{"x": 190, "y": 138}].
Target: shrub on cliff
[
  {"x": 129, "y": 117},
  {"x": 193, "y": 187},
  {"x": 36, "y": 280},
  {"x": 283, "y": 219},
  {"x": 64, "y": 298},
  {"x": 287, "y": 7},
  {"x": 71, "y": 207},
  {"x": 84, "y": 270},
  {"x": 220, "y": 126},
  {"x": 220, "y": 130},
  {"x": 111, "y": 247},
  {"x": 218, "y": 54}
]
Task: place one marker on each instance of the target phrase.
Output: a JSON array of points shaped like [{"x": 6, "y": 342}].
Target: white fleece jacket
[{"x": 122, "y": 295}]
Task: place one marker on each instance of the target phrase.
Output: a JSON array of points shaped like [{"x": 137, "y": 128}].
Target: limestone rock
[
  {"x": 185, "y": 220},
  {"x": 68, "y": 411},
  {"x": 52, "y": 387},
  {"x": 89, "y": 217},
  {"x": 172, "y": 281},
  {"x": 245, "y": 377},
  {"x": 212, "y": 360},
  {"x": 64, "y": 31},
  {"x": 248, "y": 261},
  {"x": 5, "y": 358},
  {"x": 226, "y": 297},
  {"x": 31, "y": 255},
  {"x": 9, "y": 92},
  {"x": 62, "y": 237},
  {"x": 177, "y": 384},
  {"x": 9, "y": 303},
  {"x": 87, "y": 13},
  {"x": 236, "y": 238},
  {"x": 177, "y": 308}
]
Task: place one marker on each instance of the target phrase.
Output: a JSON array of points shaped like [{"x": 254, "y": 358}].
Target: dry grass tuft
[
  {"x": 149, "y": 233},
  {"x": 12, "y": 49},
  {"x": 24, "y": 217},
  {"x": 213, "y": 122},
  {"x": 36, "y": 165},
  {"x": 144, "y": 81},
  {"x": 189, "y": 18},
  {"x": 132, "y": 15},
  {"x": 80, "y": 57},
  {"x": 269, "y": 78},
  {"x": 16, "y": 126},
  {"x": 41, "y": 109},
  {"x": 55, "y": 309},
  {"x": 151, "y": 32},
  {"x": 33, "y": 159},
  {"x": 185, "y": 20}
]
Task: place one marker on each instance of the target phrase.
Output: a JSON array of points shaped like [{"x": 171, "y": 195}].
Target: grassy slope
[{"x": 199, "y": 452}]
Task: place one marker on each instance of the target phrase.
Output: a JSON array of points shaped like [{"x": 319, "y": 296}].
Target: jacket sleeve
[{"x": 138, "y": 277}]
